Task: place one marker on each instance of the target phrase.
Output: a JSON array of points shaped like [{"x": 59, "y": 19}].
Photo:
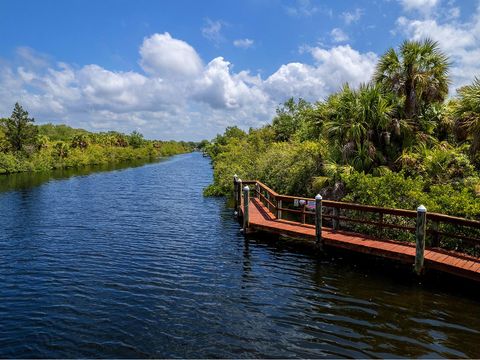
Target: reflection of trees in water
[
  {"x": 247, "y": 264},
  {"x": 28, "y": 180},
  {"x": 372, "y": 309}
]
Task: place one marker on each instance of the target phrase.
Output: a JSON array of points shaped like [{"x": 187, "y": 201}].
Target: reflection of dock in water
[{"x": 292, "y": 216}]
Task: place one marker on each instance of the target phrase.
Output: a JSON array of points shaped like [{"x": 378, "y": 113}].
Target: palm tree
[
  {"x": 418, "y": 73},
  {"x": 359, "y": 124},
  {"x": 467, "y": 110}
]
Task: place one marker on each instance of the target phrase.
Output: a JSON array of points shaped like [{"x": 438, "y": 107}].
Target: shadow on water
[
  {"x": 28, "y": 180},
  {"x": 367, "y": 265},
  {"x": 385, "y": 304}
]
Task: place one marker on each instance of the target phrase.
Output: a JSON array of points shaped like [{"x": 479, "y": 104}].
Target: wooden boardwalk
[{"x": 261, "y": 218}]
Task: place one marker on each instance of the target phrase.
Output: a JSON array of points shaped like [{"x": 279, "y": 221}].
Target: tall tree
[
  {"x": 467, "y": 110},
  {"x": 19, "y": 129},
  {"x": 418, "y": 73},
  {"x": 289, "y": 118}
]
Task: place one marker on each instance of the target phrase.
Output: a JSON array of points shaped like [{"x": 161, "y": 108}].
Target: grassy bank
[{"x": 48, "y": 147}]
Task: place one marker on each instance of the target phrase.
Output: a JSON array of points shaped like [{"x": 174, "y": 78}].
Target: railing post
[
  {"x": 279, "y": 211},
  {"x": 420, "y": 238},
  {"x": 380, "y": 220},
  {"x": 318, "y": 221},
  {"x": 239, "y": 195},
  {"x": 336, "y": 221},
  {"x": 435, "y": 235},
  {"x": 235, "y": 189},
  {"x": 246, "y": 197},
  {"x": 303, "y": 203}
]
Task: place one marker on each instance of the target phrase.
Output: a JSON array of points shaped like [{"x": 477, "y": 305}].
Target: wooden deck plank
[{"x": 454, "y": 263}]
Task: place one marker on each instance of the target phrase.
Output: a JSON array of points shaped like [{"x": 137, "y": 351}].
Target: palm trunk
[
  {"x": 410, "y": 96},
  {"x": 475, "y": 146}
]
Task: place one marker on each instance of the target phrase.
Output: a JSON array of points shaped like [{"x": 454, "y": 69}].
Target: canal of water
[{"x": 135, "y": 262}]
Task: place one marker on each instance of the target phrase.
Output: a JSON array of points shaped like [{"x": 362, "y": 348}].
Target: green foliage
[
  {"x": 360, "y": 124},
  {"x": 441, "y": 164},
  {"x": 59, "y": 132},
  {"x": 418, "y": 74},
  {"x": 290, "y": 167},
  {"x": 19, "y": 130},
  {"x": 202, "y": 145},
  {"x": 467, "y": 110},
  {"x": 392, "y": 142},
  {"x": 4, "y": 145},
  {"x": 61, "y": 150},
  {"x": 395, "y": 190},
  {"x": 290, "y": 118},
  {"x": 136, "y": 139},
  {"x": 60, "y": 146},
  {"x": 378, "y": 190},
  {"x": 79, "y": 141},
  {"x": 8, "y": 163},
  {"x": 231, "y": 133}
]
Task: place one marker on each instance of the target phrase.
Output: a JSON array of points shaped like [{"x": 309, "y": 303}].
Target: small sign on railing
[{"x": 310, "y": 205}]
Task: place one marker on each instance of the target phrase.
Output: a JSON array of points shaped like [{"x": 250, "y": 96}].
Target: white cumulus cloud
[
  {"x": 333, "y": 68},
  {"x": 176, "y": 95},
  {"x": 460, "y": 41},
  {"x": 219, "y": 88},
  {"x": 164, "y": 56}
]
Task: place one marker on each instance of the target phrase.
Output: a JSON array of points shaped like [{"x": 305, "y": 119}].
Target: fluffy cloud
[
  {"x": 343, "y": 64},
  {"x": 221, "y": 89},
  {"x": 164, "y": 56},
  {"x": 176, "y": 95},
  {"x": 297, "y": 80},
  {"x": 461, "y": 41},
  {"x": 333, "y": 68},
  {"x": 451, "y": 37}
]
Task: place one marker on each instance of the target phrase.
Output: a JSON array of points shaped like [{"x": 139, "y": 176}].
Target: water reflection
[
  {"x": 27, "y": 180},
  {"x": 370, "y": 309}
]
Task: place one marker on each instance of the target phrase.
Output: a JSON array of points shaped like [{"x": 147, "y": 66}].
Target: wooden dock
[{"x": 266, "y": 211}]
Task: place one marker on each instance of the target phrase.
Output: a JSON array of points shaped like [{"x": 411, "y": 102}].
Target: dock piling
[
  {"x": 235, "y": 190},
  {"x": 318, "y": 221},
  {"x": 246, "y": 200},
  {"x": 239, "y": 196},
  {"x": 420, "y": 238}
]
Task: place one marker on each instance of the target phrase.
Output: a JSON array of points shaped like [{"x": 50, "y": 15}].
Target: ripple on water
[{"x": 137, "y": 263}]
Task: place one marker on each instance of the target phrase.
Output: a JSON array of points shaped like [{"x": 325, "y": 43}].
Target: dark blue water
[{"x": 137, "y": 263}]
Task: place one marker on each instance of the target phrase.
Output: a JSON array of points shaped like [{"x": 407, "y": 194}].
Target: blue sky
[{"x": 187, "y": 69}]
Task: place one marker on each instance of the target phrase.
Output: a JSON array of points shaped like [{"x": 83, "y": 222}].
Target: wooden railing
[{"x": 443, "y": 231}]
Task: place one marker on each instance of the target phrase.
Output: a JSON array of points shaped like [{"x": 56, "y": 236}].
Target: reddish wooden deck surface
[{"x": 458, "y": 264}]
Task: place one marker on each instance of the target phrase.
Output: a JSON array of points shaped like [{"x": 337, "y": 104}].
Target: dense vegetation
[
  {"x": 397, "y": 141},
  {"x": 27, "y": 147}
]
